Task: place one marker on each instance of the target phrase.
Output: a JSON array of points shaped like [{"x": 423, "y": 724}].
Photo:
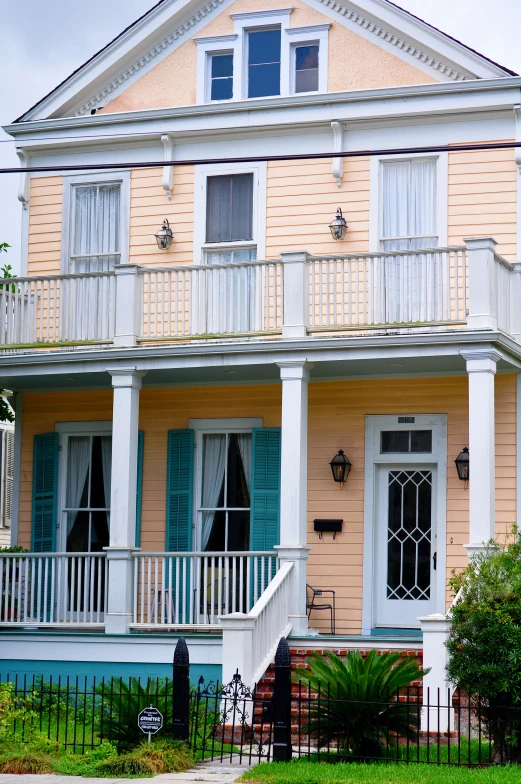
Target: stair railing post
[
  {"x": 181, "y": 691},
  {"x": 281, "y": 701}
]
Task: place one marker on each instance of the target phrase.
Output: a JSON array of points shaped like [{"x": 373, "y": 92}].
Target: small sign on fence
[{"x": 150, "y": 721}]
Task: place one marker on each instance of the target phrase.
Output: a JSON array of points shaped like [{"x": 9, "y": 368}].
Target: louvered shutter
[
  {"x": 180, "y": 472},
  {"x": 265, "y": 495},
  {"x": 140, "y": 444},
  {"x": 45, "y": 482},
  {"x": 8, "y": 478}
]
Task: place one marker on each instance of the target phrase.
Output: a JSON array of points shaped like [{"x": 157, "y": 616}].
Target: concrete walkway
[{"x": 216, "y": 774}]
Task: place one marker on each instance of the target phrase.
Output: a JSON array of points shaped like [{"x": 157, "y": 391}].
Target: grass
[{"x": 304, "y": 772}]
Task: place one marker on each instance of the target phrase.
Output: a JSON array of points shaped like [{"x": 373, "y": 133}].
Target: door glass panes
[
  {"x": 306, "y": 68},
  {"x": 225, "y": 492},
  {"x": 263, "y": 63},
  {"x": 221, "y": 76},
  {"x": 409, "y": 535},
  {"x": 406, "y": 441},
  {"x": 96, "y": 228},
  {"x": 88, "y": 493},
  {"x": 229, "y": 208}
]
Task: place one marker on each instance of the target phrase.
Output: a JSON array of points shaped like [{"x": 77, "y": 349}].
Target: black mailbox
[{"x": 327, "y": 527}]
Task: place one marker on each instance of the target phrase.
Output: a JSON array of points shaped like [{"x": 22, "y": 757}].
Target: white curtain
[
  {"x": 244, "y": 440},
  {"x": 106, "y": 460},
  {"x": 77, "y": 470},
  {"x": 96, "y": 226},
  {"x": 214, "y": 464},
  {"x": 408, "y": 284}
]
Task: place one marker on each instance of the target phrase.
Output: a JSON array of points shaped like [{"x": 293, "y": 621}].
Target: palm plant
[{"x": 355, "y": 703}]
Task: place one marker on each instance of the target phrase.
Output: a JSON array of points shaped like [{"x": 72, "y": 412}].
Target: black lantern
[
  {"x": 340, "y": 466},
  {"x": 463, "y": 465},
  {"x": 338, "y": 226},
  {"x": 164, "y": 236}
]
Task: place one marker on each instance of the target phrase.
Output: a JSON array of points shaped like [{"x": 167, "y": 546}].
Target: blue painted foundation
[{"x": 10, "y": 668}]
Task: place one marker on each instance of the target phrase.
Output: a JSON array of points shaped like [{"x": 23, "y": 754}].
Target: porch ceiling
[{"x": 249, "y": 363}]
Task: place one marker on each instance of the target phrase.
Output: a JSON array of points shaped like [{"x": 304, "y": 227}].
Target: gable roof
[{"x": 170, "y": 22}]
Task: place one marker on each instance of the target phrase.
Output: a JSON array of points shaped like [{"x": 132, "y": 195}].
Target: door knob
[{"x": 435, "y": 560}]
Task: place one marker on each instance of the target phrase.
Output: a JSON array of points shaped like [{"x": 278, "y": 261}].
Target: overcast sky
[{"x": 43, "y": 41}]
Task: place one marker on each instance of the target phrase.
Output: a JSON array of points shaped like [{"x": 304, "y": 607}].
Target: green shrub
[
  {"x": 148, "y": 760},
  {"x": 362, "y": 711},
  {"x": 484, "y": 643},
  {"x": 11, "y": 709},
  {"x": 85, "y": 764}
]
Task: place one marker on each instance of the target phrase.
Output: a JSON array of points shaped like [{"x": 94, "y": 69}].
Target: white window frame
[
  {"x": 65, "y": 431},
  {"x": 202, "y": 172},
  {"x": 6, "y": 479},
  {"x": 374, "y": 459},
  {"x": 376, "y": 200},
  {"x": 99, "y": 178},
  {"x": 309, "y": 36},
  {"x": 237, "y": 42},
  {"x": 212, "y": 426}
]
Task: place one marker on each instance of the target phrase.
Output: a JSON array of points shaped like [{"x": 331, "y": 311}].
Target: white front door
[{"x": 406, "y": 543}]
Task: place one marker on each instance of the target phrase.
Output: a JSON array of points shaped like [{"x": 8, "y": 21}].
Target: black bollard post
[
  {"x": 282, "y": 749},
  {"x": 181, "y": 683}
]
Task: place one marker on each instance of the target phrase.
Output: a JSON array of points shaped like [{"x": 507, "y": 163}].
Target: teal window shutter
[
  {"x": 45, "y": 493},
  {"x": 140, "y": 443},
  {"x": 265, "y": 489},
  {"x": 180, "y": 481}
]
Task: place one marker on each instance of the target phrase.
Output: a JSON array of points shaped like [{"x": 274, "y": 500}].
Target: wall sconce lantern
[
  {"x": 463, "y": 465},
  {"x": 164, "y": 236},
  {"x": 340, "y": 467},
  {"x": 338, "y": 226}
]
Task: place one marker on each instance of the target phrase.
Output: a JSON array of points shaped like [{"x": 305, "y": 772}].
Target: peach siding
[
  {"x": 354, "y": 62},
  {"x": 337, "y": 413},
  {"x": 483, "y": 197},
  {"x": 45, "y": 226}
]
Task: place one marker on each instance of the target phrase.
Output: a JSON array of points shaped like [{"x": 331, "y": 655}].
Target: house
[{"x": 190, "y": 343}]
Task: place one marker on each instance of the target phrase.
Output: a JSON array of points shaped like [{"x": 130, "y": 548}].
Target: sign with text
[{"x": 150, "y": 720}]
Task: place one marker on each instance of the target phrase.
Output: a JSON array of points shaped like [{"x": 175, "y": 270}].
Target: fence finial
[
  {"x": 181, "y": 657},
  {"x": 283, "y": 656}
]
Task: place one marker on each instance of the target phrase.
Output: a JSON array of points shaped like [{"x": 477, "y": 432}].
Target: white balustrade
[
  {"x": 212, "y": 299},
  {"x": 57, "y": 308},
  {"x": 53, "y": 589},
  {"x": 503, "y": 274},
  {"x": 392, "y": 288},
  {"x": 194, "y": 589}
]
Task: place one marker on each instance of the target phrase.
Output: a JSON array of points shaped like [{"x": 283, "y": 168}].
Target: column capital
[
  {"x": 293, "y": 256},
  {"x": 129, "y": 377},
  {"x": 481, "y": 360},
  {"x": 297, "y": 552},
  {"x": 126, "y": 269},
  {"x": 295, "y": 370},
  {"x": 480, "y": 243}
]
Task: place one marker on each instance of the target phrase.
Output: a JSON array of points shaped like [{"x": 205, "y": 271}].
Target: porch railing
[
  {"x": 53, "y": 589},
  {"x": 194, "y": 589},
  {"x": 212, "y": 299}
]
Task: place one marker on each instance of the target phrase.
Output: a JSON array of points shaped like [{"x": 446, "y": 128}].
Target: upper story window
[
  {"x": 409, "y": 204},
  {"x": 96, "y": 227},
  {"x": 306, "y": 68},
  {"x": 221, "y": 76},
  {"x": 263, "y": 63},
  {"x": 229, "y": 218}
]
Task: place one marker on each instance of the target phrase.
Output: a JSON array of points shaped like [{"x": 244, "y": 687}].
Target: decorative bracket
[
  {"x": 338, "y": 163},
  {"x": 168, "y": 171},
  {"x": 25, "y": 181},
  {"x": 517, "y": 150}
]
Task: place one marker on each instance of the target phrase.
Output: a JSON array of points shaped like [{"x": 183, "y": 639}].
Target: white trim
[
  {"x": 252, "y": 22},
  {"x": 375, "y": 196},
  {"x": 65, "y": 431},
  {"x": 312, "y": 34},
  {"x": 18, "y": 403},
  {"x": 373, "y": 458},
  {"x": 122, "y": 177},
  {"x": 207, "y": 46},
  {"x": 237, "y": 425},
  {"x": 202, "y": 172},
  {"x": 258, "y": 18}
]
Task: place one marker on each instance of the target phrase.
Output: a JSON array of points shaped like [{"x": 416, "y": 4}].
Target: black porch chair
[{"x": 311, "y": 603}]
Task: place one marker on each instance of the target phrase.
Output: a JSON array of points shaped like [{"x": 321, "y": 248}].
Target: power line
[{"x": 262, "y": 158}]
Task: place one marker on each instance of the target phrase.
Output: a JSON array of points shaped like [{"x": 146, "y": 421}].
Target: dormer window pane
[
  {"x": 263, "y": 63},
  {"x": 221, "y": 74},
  {"x": 306, "y": 68}
]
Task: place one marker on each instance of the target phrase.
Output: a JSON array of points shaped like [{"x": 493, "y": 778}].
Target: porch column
[
  {"x": 481, "y": 368},
  {"x": 126, "y": 383},
  {"x": 437, "y": 690},
  {"x": 481, "y": 262},
  {"x": 294, "y": 484}
]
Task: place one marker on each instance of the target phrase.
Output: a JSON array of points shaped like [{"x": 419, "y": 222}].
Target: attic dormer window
[
  {"x": 221, "y": 76},
  {"x": 263, "y": 62}
]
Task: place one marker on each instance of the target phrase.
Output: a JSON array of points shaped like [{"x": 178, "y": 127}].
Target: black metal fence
[{"x": 286, "y": 720}]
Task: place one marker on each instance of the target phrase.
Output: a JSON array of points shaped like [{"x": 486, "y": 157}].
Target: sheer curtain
[
  {"x": 106, "y": 460},
  {"x": 244, "y": 440},
  {"x": 77, "y": 470},
  {"x": 408, "y": 221},
  {"x": 214, "y": 464},
  {"x": 96, "y": 226}
]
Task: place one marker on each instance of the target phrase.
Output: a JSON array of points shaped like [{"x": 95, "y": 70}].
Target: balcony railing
[{"x": 292, "y": 296}]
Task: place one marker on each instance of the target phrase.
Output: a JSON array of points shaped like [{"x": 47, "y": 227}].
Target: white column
[
  {"x": 482, "y": 286},
  {"x": 436, "y": 688},
  {"x": 18, "y": 403},
  {"x": 296, "y": 294},
  {"x": 129, "y": 304},
  {"x": 481, "y": 369},
  {"x": 294, "y": 484},
  {"x": 126, "y": 383},
  {"x": 237, "y": 630}
]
